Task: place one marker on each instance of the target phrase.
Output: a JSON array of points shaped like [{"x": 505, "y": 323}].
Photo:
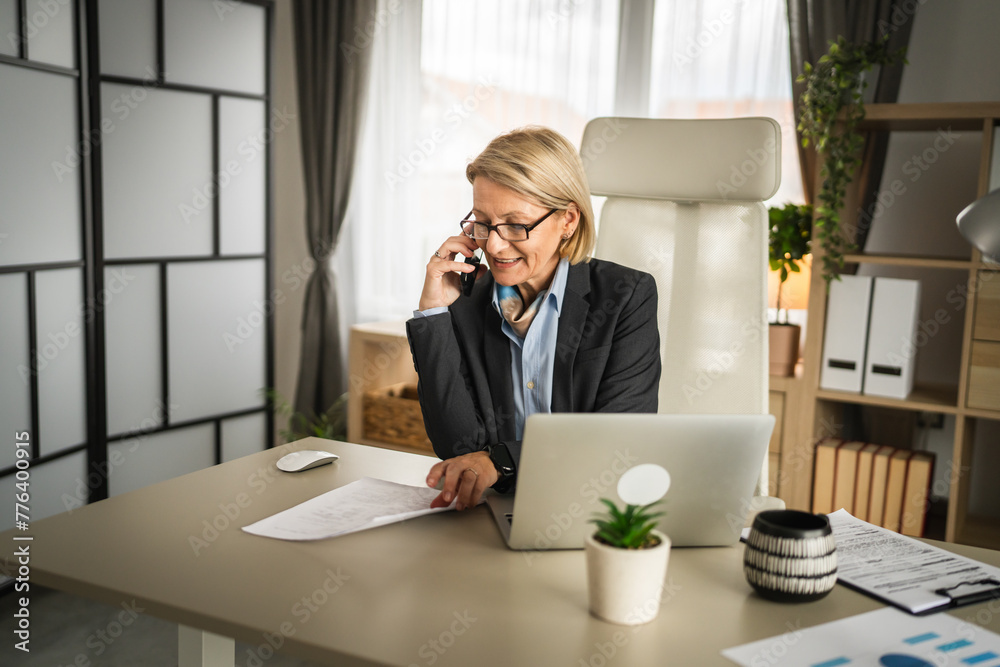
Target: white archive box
[
  {"x": 846, "y": 333},
  {"x": 892, "y": 334}
]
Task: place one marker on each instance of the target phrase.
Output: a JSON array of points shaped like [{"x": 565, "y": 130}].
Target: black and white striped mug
[{"x": 791, "y": 556}]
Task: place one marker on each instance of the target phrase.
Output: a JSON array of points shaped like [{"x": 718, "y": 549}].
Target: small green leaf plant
[
  {"x": 629, "y": 529},
  {"x": 331, "y": 425},
  {"x": 788, "y": 241},
  {"x": 832, "y": 105}
]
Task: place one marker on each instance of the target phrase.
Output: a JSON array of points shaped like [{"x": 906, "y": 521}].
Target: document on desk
[
  {"x": 366, "y": 503},
  {"x": 885, "y": 636},
  {"x": 906, "y": 572}
]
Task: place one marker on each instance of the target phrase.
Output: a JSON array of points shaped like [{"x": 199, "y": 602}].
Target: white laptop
[{"x": 571, "y": 460}]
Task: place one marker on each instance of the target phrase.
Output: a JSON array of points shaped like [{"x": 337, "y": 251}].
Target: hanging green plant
[{"x": 832, "y": 105}]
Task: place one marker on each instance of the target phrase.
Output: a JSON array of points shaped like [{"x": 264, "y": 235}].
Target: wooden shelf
[
  {"x": 929, "y": 117},
  {"x": 785, "y": 382},
  {"x": 980, "y": 413},
  {"x": 378, "y": 356},
  {"x": 909, "y": 260},
  {"x": 924, "y": 398},
  {"x": 821, "y": 407}
]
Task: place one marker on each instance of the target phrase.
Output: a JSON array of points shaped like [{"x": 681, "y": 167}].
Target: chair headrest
[{"x": 683, "y": 160}]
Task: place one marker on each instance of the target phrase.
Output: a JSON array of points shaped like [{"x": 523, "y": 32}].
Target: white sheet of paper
[
  {"x": 882, "y": 637},
  {"x": 366, "y": 503},
  {"x": 900, "y": 569}
]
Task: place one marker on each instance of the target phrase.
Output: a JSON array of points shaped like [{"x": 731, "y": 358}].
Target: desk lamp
[{"x": 979, "y": 224}]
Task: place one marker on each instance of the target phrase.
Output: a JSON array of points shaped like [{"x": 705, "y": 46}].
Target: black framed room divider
[{"x": 136, "y": 235}]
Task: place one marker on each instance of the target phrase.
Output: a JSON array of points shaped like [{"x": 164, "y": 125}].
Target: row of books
[{"x": 883, "y": 485}]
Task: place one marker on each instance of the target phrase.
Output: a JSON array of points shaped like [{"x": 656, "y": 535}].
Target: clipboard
[
  {"x": 914, "y": 576},
  {"x": 952, "y": 600},
  {"x": 974, "y": 597}
]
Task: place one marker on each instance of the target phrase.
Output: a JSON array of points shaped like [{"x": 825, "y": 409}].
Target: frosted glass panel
[
  {"x": 62, "y": 406},
  {"x": 215, "y": 44},
  {"x": 157, "y": 165},
  {"x": 139, "y": 462},
  {"x": 40, "y": 186},
  {"x": 51, "y": 37},
  {"x": 243, "y": 435},
  {"x": 128, "y": 38},
  {"x": 215, "y": 334},
  {"x": 242, "y": 158},
  {"x": 15, "y": 392},
  {"x": 132, "y": 334},
  {"x": 55, "y": 488},
  {"x": 9, "y": 32}
]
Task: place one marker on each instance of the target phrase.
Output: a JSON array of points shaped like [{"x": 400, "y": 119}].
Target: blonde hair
[{"x": 543, "y": 166}]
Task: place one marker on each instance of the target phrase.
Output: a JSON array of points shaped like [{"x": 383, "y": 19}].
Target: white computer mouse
[{"x": 304, "y": 460}]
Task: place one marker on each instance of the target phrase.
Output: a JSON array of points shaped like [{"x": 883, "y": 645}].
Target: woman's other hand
[
  {"x": 465, "y": 479},
  {"x": 441, "y": 284}
]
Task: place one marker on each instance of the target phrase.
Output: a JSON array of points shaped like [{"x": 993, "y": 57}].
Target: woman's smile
[{"x": 528, "y": 264}]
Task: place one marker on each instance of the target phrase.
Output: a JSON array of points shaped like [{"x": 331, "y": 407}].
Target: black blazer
[{"x": 607, "y": 358}]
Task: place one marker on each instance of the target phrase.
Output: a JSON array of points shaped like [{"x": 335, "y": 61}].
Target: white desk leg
[{"x": 197, "y": 648}]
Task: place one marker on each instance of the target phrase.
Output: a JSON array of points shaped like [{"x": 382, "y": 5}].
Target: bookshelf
[{"x": 975, "y": 395}]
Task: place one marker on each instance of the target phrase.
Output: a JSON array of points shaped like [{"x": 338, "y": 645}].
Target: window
[{"x": 470, "y": 70}]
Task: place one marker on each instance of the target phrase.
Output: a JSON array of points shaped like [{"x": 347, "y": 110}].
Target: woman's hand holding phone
[
  {"x": 469, "y": 279},
  {"x": 442, "y": 283}
]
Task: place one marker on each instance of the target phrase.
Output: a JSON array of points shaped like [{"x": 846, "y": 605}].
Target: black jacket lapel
[
  {"x": 572, "y": 319},
  {"x": 496, "y": 351}
]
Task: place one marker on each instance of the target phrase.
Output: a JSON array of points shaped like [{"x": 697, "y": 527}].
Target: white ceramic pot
[{"x": 625, "y": 584}]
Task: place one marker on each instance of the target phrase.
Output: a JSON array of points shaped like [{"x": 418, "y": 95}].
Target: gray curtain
[
  {"x": 812, "y": 24},
  {"x": 332, "y": 59}
]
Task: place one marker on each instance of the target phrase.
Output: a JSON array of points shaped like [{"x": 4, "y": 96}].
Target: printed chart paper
[{"x": 883, "y": 638}]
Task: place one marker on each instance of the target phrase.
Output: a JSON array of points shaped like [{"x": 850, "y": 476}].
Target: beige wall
[{"x": 953, "y": 53}]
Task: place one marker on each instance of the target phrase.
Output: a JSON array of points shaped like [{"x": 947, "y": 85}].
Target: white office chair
[{"x": 685, "y": 203}]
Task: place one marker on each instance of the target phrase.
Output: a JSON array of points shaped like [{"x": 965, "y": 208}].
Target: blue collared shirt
[{"x": 532, "y": 358}]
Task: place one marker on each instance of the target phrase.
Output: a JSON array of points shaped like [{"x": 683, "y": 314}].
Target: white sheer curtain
[
  {"x": 440, "y": 92},
  {"x": 449, "y": 75},
  {"x": 725, "y": 59},
  {"x": 379, "y": 246}
]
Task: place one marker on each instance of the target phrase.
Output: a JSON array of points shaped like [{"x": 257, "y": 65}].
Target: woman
[{"x": 545, "y": 329}]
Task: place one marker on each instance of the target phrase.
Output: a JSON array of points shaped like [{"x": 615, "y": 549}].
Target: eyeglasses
[{"x": 508, "y": 231}]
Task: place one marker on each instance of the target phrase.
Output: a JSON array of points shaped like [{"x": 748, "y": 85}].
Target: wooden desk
[{"x": 441, "y": 589}]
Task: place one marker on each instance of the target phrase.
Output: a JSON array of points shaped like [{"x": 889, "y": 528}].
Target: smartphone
[{"x": 469, "y": 279}]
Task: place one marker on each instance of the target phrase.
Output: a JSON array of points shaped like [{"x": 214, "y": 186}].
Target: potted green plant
[
  {"x": 788, "y": 242},
  {"x": 626, "y": 564},
  {"x": 832, "y": 105},
  {"x": 331, "y": 425}
]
